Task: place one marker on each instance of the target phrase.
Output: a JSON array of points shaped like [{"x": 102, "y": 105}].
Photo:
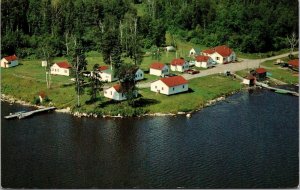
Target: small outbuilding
[
  {"x": 159, "y": 69},
  {"x": 61, "y": 68},
  {"x": 170, "y": 85},
  {"x": 9, "y": 61},
  {"x": 170, "y": 48},
  {"x": 179, "y": 65}
]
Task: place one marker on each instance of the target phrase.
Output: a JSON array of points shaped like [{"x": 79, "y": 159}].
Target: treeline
[
  {"x": 246, "y": 25},
  {"x": 114, "y": 27}
]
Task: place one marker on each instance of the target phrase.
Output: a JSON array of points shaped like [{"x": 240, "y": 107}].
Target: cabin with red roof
[
  {"x": 106, "y": 74},
  {"x": 159, "y": 69},
  {"x": 115, "y": 93},
  {"x": 9, "y": 61},
  {"x": 170, "y": 85},
  {"x": 179, "y": 65},
  {"x": 294, "y": 64},
  {"x": 221, "y": 54},
  {"x": 61, "y": 68},
  {"x": 204, "y": 61}
]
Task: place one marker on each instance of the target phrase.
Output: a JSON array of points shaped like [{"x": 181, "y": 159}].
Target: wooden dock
[
  {"x": 24, "y": 114},
  {"x": 278, "y": 90}
]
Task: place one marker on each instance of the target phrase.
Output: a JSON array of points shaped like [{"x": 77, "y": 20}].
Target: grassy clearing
[
  {"x": 62, "y": 94},
  {"x": 261, "y": 55},
  {"x": 284, "y": 74},
  {"x": 201, "y": 90}
]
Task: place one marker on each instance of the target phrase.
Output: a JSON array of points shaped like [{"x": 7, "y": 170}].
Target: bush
[{"x": 36, "y": 100}]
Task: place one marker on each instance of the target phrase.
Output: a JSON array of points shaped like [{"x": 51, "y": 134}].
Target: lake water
[{"x": 250, "y": 140}]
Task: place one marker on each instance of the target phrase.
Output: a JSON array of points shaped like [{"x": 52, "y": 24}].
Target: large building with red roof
[
  {"x": 221, "y": 54},
  {"x": 9, "y": 61},
  {"x": 61, "y": 68},
  {"x": 159, "y": 69},
  {"x": 179, "y": 65},
  {"x": 170, "y": 85}
]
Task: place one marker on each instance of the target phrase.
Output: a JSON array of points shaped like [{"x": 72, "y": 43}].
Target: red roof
[
  {"x": 261, "y": 70},
  {"x": 11, "y": 58},
  {"x": 102, "y": 68},
  {"x": 294, "y": 62},
  {"x": 157, "y": 65},
  {"x": 179, "y": 61},
  {"x": 174, "y": 81},
  {"x": 117, "y": 87},
  {"x": 222, "y": 50},
  {"x": 64, "y": 65},
  {"x": 202, "y": 58}
]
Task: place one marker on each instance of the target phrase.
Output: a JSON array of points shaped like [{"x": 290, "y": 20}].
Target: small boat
[{"x": 281, "y": 91}]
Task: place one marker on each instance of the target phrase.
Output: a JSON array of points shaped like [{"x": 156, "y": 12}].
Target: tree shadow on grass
[
  {"x": 91, "y": 101},
  {"x": 107, "y": 103},
  {"x": 143, "y": 102}
]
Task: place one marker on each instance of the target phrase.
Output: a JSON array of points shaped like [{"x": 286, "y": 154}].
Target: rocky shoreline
[{"x": 12, "y": 100}]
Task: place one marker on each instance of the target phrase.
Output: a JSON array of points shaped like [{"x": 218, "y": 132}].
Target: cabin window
[
  {"x": 182, "y": 86},
  {"x": 136, "y": 75},
  {"x": 155, "y": 87},
  {"x": 162, "y": 88},
  {"x": 173, "y": 89},
  {"x": 217, "y": 58},
  {"x": 223, "y": 59},
  {"x": 66, "y": 71},
  {"x": 141, "y": 75}
]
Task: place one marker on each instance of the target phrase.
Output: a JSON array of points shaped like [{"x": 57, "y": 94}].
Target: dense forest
[{"x": 115, "y": 27}]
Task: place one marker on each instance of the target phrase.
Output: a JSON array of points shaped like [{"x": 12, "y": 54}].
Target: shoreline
[{"x": 12, "y": 100}]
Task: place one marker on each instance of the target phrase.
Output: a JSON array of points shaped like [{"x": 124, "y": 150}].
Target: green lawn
[
  {"x": 261, "y": 55},
  {"x": 283, "y": 74},
  {"x": 63, "y": 95},
  {"x": 201, "y": 90}
]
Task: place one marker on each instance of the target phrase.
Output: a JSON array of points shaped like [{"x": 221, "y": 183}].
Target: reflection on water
[{"x": 248, "y": 141}]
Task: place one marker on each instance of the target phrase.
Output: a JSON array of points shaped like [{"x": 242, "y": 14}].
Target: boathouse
[
  {"x": 294, "y": 64},
  {"x": 261, "y": 74},
  {"x": 249, "y": 80}
]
